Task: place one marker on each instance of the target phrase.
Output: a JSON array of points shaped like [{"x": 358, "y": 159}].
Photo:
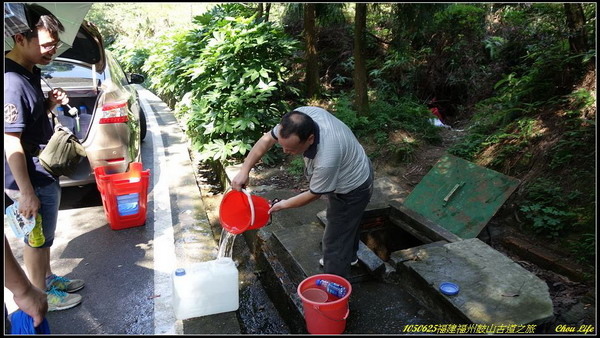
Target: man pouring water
[{"x": 336, "y": 166}]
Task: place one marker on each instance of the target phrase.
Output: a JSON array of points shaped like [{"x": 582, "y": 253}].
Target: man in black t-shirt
[{"x": 27, "y": 129}]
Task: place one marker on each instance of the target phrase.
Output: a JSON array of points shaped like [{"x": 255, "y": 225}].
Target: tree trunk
[
  {"x": 361, "y": 102},
  {"x": 267, "y": 11},
  {"x": 312, "y": 61},
  {"x": 260, "y": 11},
  {"x": 576, "y": 24}
]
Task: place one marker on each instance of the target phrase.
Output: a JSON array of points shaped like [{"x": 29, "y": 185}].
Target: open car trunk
[
  {"x": 81, "y": 80},
  {"x": 106, "y": 144},
  {"x": 103, "y": 109},
  {"x": 83, "y": 101}
]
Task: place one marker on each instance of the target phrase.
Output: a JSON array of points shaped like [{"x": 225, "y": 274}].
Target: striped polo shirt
[{"x": 336, "y": 162}]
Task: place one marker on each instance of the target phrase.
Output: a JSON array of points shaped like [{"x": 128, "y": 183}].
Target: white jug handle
[{"x": 251, "y": 206}]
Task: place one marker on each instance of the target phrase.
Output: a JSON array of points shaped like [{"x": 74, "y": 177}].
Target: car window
[
  {"x": 115, "y": 69},
  {"x": 67, "y": 74}
]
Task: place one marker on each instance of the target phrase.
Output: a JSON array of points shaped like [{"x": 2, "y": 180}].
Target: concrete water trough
[
  {"x": 407, "y": 250},
  {"x": 493, "y": 289}
]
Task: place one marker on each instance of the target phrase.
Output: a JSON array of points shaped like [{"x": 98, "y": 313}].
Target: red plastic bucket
[
  {"x": 240, "y": 211},
  {"x": 327, "y": 317}
]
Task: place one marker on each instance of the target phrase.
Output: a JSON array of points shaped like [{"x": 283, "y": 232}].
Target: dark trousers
[{"x": 341, "y": 237}]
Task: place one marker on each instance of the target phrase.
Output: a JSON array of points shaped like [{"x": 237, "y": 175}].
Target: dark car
[{"x": 104, "y": 109}]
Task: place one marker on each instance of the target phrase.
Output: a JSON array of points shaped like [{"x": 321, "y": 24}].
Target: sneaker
[
  {"x": 60, "y": 300},
  {"x": 36, "y": 236},
  {"x": 63, "y": 283},
  {"x": 354, "y": 263}
]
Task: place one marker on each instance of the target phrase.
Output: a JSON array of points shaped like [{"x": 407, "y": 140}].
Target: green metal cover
[{"x": 460, "y": 196}]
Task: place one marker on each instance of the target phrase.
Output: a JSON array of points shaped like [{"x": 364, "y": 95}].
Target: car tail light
[{"x": 115, "y": 112}]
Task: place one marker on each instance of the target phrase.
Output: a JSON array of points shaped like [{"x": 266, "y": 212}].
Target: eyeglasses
[{"x": 50, "y": 47}]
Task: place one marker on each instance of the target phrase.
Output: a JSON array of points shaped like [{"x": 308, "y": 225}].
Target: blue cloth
[{"x": 22, "y": 323}]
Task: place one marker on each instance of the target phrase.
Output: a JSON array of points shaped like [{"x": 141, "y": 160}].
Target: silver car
[{"x": 104, "y": 109}]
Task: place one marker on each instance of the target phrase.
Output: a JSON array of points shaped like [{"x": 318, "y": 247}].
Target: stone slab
[{"x": 493, "y": 288}]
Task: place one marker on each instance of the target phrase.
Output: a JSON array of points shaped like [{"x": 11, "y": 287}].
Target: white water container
[{"x": 205, "y": 288}]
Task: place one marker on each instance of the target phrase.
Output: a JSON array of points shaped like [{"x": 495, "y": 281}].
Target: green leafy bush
[
  {"x": 228, "y": 77},
  {"x": 132, "y": 59},
  {"x": 460, "y": 19},
  {"x": 469, "y": 146},
  {"x": 547, "y": 209},
  {"x": 344, "y": 110},
  {"x": 585, "y": 248},
  {"x": 296, "y": 166},
  {"x": 171, "y": 52},
  {"x": 405, "y": 113},
  {"x": 388, "y": 115}
]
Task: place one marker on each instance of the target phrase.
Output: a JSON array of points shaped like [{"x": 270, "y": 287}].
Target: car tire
[{"x": 143, "y": 127}]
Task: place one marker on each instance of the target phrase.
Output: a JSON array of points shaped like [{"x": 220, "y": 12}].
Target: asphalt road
[{"x": 127, "y": 272}]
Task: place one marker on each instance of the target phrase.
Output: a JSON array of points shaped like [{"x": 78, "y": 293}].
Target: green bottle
[{"x": 36, "y": 237}]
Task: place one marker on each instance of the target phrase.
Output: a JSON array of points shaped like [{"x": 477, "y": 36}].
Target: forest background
[{"x": 518, "y": 78}]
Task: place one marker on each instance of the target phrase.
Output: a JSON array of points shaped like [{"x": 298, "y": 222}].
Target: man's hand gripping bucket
[{"x": 240, "y": 211}]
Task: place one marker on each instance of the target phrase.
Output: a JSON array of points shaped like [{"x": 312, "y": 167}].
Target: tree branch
[{"x": 379, "y": 39}]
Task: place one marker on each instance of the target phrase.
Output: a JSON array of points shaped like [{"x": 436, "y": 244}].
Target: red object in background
[
  {"x": 114, "y": 186},
  {"x": 435, "y": 109},
  {"x": 437, "y": 113}
]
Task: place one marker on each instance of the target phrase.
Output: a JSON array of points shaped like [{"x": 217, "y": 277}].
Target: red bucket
[
  {"x": 241, "y": 211},
  {"x": 324, "y": 317}
]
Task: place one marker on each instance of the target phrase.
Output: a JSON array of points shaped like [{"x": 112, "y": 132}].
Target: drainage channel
[{"x": 375, "y": 307}]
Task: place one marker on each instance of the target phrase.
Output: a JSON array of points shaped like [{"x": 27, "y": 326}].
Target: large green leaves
[{"x": 227, "y": 77}]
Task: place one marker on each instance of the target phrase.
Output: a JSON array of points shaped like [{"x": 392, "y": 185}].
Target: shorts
[{"x": 49, "y": 196}]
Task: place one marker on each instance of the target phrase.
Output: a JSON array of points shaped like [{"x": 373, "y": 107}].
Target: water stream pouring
[{"x": 240, "y": 211}]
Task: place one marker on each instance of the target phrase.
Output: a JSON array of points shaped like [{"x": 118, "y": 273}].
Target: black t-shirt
[{"x": 25, "y": 113}]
